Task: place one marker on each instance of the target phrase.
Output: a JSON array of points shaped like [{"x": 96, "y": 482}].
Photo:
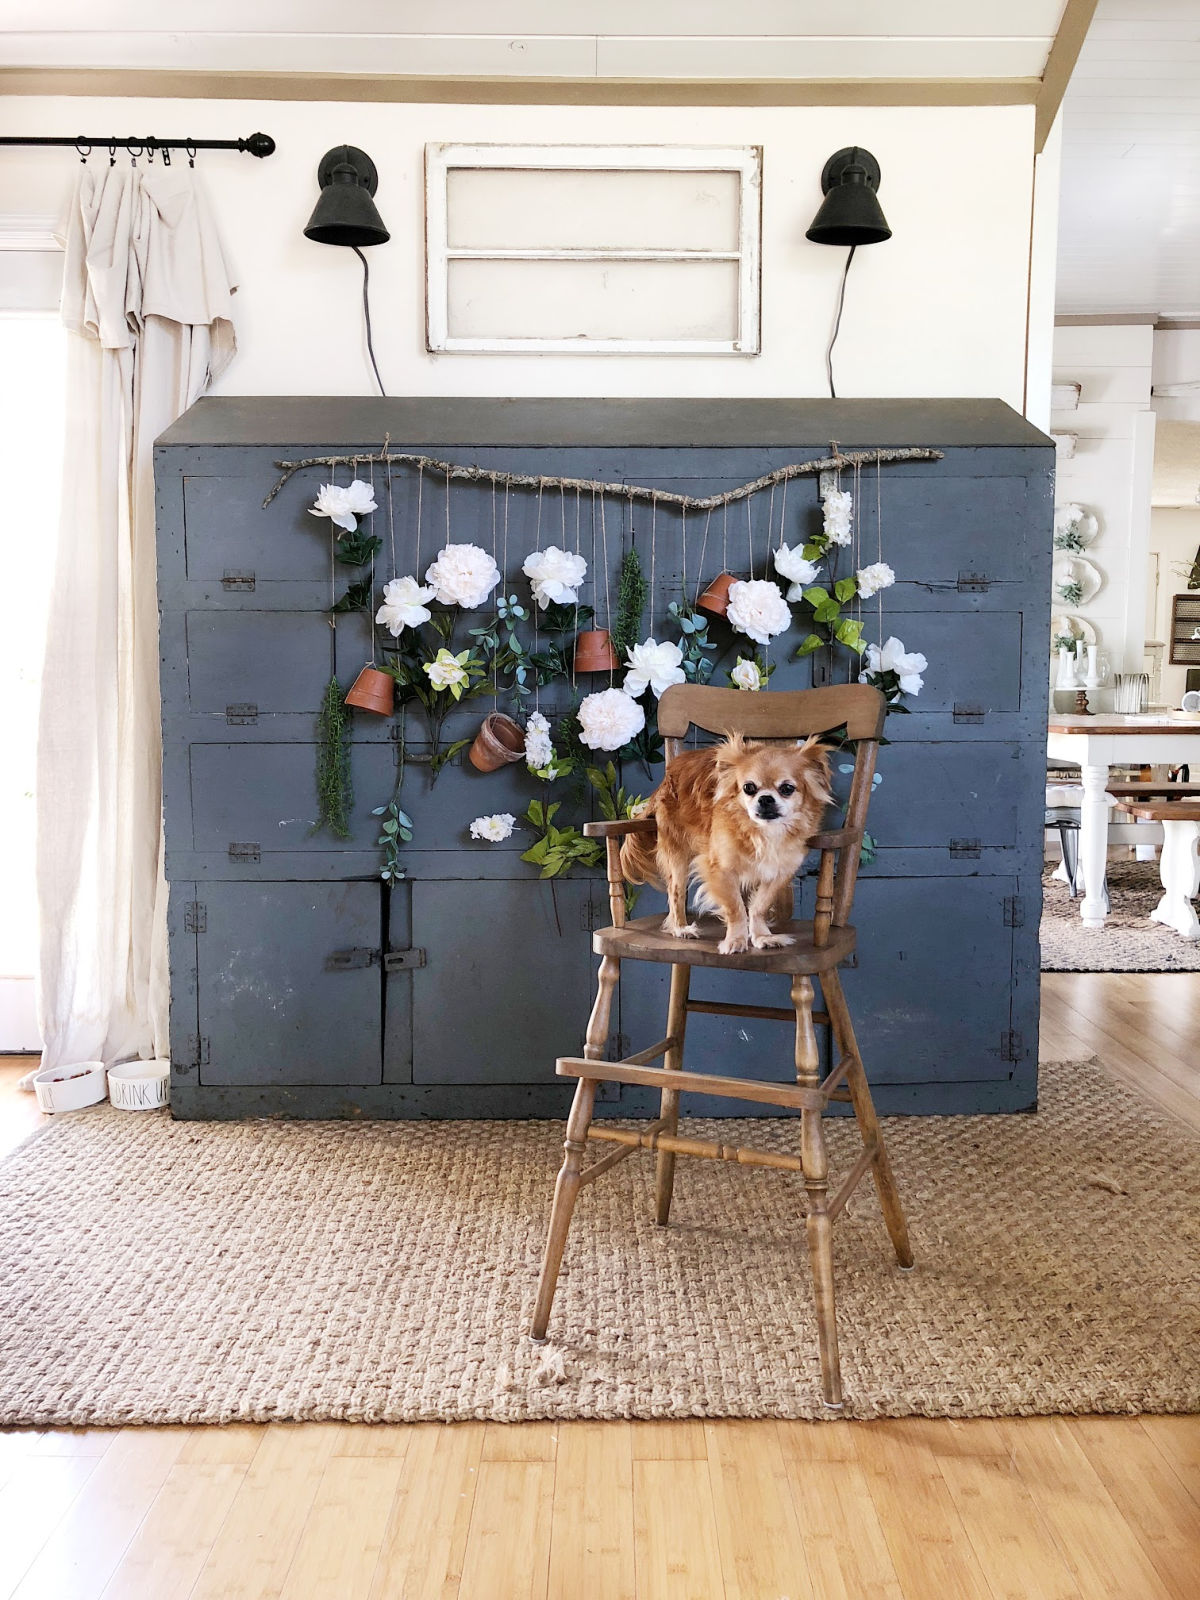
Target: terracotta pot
[
  {"x": 499, "y": 741},
  {"x": 594, "y": 652},
  {"x": 373, "y": 690},
  {"x": 715, "y": 599}
]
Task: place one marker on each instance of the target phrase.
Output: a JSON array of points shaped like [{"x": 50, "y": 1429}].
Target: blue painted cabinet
[{"x": 301, "y": 986}]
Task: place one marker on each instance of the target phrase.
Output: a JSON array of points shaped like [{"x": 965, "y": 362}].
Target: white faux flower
[
  {"x": 893, "y": 657},
  {"x": 494, "y": 828},
  {"x": 463, "y": 575},
  {"x": 555, "y": 575},
  {"x": 403, "y": 605},
  {"x": 796, "y": 568},
  {"x": 839, "y": 508},
  {"x": 757, "y": 609},
  {"x": 653, "y": 666},
  {"x": 539, "y": 752},
  {"x": 447, "y": 671},
  {"x": 873, "y": 578},
  {"x": 344, "y": 506},
  {"x": 609, "y": 719},
  {"x": 747, "y": 674}
]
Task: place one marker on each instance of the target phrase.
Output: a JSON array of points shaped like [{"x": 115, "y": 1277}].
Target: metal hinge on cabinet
[
  {"x": 973, "y": 583},
  {"x": 1014, "y": 911},
  {"x": 1012, "y": 1047},
  {"x": 241, "y": 716},
  {"x": 196, "y": 1051},
  {"x": 245, "y": 852},
  {"x": 195, "y": 917},
  {"x": 231, "y": 581},
  {"x": 970, "y": 848},
  {"x": 968, "y": 713}
]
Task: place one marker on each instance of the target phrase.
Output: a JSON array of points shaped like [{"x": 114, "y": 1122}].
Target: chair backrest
[{"x": 790, "y": 714}]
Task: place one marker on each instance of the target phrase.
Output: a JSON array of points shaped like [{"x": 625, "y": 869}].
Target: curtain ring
[
  {"x": 135, "y": 150},
  {"x": 112, "y": 152},
  {"x": 166, "y": 155},
  {"x": 150, "y": 149},
  {"x": 84, "y": 149},
  {"x": 191, "y": 152}
]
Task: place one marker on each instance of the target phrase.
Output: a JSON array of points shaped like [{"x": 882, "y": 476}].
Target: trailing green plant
[
  {"x": 561, "y": 618},
  {"x": 335, "y": 793},
  {"x": 557, "y": 850},
  {"x": 632, "y": 594},
  {"x": 828, "y": 622},
  {"x": 358, "y": 597},
  {"x": 615, "y": 803},
  {"x": 396, "y": 829},
  {"x": 697, "y": 647},
  {"x": 437, "y": 678},
  {"x": 356, "y": 549}
]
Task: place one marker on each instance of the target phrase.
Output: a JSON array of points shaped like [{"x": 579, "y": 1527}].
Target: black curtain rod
[{"x": 258, "y": 144}]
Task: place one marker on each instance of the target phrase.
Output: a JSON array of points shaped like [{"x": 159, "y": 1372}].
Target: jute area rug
[
  {"x": 1128, "y": 941},
  {"x": 160, "y": 1272}
]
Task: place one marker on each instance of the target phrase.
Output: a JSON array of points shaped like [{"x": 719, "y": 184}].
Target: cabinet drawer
[{"x": 246, "y": 664}]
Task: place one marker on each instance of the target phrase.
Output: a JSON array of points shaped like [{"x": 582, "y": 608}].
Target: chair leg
[
  {"x": 566, "y": 1192},
  {"x": 816, "y": 1182},
  {"x": 664, "y": 1177},
  {"x": 868, "y": 1122}
]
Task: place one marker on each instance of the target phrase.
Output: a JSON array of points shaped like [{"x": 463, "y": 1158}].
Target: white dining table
[{"x": 1095, "y": 745}]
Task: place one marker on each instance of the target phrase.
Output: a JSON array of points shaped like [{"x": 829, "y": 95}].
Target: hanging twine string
[
  {"x": 578, "y": 550},
  {"x": 496, "y": 651},
  {"x": 372, "y": 569},
  {"x": 537, "y": 545},
  {"x": 703, "y": 551},
  {"x": 447, "y": 505},
  {"x": 683, "y": 547},
  {"x": 420, "y": 496},
  {"x": 607, "y": 595},
  {"x": 725, "y": 537},
  {"x": 750, "y": 538},
  {"x": 858, "y": 554},
  {"x": 783, "y": 517},
  {"x": 333, "y": 563},
  {"x": 392, "y": 524},
  {"x": 879, "y": 533}
]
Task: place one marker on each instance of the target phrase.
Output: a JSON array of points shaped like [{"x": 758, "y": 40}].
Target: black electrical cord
[
  {"x": 367, "y": 315},
  {"x": 837, "y": 323}
]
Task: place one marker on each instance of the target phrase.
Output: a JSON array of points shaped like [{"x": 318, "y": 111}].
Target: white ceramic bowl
[
  {"x": 71, "y": 1086},
  {"x": 140, "y": 1085}
]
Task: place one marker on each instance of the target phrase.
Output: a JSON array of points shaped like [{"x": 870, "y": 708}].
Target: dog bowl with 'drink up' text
[
  {"x": 140, "y": 1085},
  {"x": 70, "y": 1087}
]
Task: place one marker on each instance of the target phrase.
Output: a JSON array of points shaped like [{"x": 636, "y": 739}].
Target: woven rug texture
[
  {"x": 1128, "y": 941},
  {"x": 156, "y": 1271}
]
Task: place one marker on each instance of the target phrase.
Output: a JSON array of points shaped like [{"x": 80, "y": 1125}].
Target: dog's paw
[
  {"x": 733, "y": 944},
  {"x": 686, "y": 930},
  {"x": 772, "y": 941}
]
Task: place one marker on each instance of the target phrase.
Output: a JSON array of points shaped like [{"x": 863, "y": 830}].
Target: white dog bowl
[
  {"x": 140, "y": 1085},
  {"x": 70, "y": 1087}
]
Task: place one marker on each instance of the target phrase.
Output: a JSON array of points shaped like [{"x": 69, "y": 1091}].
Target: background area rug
[
  {"x": 1128, "y": 941},
  {"x": 159, "y": 1272}
]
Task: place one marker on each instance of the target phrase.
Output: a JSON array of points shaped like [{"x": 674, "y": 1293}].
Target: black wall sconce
[
  {"x": 345, "y": 214},
  {"x": 850, "y": 214}
]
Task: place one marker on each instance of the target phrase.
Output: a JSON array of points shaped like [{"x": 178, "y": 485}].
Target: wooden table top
[{"x": 1124, "y": 724}]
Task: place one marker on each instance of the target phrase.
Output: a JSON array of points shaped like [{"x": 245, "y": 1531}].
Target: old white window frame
[{"x": 745, "y": 161}]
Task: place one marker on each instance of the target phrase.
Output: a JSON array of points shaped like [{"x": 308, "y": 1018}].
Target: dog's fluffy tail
[{"x": 639, "y": 853}]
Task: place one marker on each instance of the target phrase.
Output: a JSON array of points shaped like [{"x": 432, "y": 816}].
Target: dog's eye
[
  {"x": 749, "y": 788},
  {"x": 787, "y": 788}
]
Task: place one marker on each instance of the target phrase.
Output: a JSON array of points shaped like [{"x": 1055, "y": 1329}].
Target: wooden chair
[{"x": 820, "y": 946}]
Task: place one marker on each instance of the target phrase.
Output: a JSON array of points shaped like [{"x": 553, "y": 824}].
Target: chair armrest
[
  {"x": 838, "y": 839},
  {"x": 614, "y": 830}
]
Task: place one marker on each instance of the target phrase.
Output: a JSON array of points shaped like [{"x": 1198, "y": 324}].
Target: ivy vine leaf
[
  {"x": 356, "y": 549},
  {"x": 824, "y": 607},
  {"x": 814, "y": 549},
  {"x": 807, "y": 645},
  {"x": 849, "y": 632},
  {"x": 356, "y": 598},
  {"x": 845, "y": 589}
]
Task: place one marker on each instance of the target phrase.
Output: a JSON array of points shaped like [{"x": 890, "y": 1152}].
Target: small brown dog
[{"x": 736, "y": 817}]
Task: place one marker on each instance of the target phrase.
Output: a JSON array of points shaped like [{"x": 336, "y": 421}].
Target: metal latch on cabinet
[
  {"x": 390, "y": 960},
  {"x": 237, "y": 581}
]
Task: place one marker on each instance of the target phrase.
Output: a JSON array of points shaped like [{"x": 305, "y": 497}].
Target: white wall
[
  {"x": 1111, "y": 474},
  {"x": 1177, "y": 361},
  {"x": 941, "y": 309},
  {"x": 1174, "y": 540}
]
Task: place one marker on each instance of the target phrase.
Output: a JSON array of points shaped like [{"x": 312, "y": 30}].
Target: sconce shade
[
  {"x": 345, "y": 212},
  {"x": 850, "y": 212}
]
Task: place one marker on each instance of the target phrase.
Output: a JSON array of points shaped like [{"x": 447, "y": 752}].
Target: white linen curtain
[{"x": 146, "y": 293}]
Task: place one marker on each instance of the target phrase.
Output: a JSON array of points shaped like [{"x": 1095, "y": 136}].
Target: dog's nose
[{"x": 767, "y": 806}]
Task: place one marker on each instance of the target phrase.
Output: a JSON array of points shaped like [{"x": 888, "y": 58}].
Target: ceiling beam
[{"x": 1060, "y": 64}]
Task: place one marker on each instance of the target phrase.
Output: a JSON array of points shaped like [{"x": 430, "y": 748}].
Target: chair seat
[{"x": 643, "y": 940}]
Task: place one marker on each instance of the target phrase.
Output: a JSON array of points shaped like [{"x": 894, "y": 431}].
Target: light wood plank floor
[{"x": 1046, "y": 1508}]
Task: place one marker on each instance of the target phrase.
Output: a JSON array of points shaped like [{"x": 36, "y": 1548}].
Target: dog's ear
[
  {"x": 811, "y": 767},
  {"x": 731, "y": 750}
]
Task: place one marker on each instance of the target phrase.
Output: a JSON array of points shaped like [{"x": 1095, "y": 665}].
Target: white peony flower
[
  {"x": 494, "y": 828},
  {"x": 653, "y": 666},
  {"x": 609, "y": 719},
  {"x": 447, "y": 671},
  {"x": 343, "y": 506},
  {"x": 796, "y": 568},
  {"x": 463, "y": 575},
  {"x": 555, "y": 575},
  {"x": 757, "y": 609},
  {"x": 539, "y": 752},
  {"x": 839, "y": 509},
  {"x": 403, "y": 605},
  {"x": 747, "y": 674},
  {"x": 893, "y": 657},
  {"x": 873, "y": 578}
]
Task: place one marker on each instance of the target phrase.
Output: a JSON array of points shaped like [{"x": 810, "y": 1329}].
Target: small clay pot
[
  {"x": 499, "y": 741},
  {"x": 594, "y": 652},
  {"x": 373, "y": 690},
  {"x": 715, "y": 599}
]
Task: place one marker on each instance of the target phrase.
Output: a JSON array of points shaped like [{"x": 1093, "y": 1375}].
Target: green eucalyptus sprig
[
  {"x": 697, "y": 647},
  {"x": 395, "y": 829}
]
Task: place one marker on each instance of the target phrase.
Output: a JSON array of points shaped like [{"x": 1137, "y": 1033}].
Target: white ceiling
[
  {"x": 1129, "y": 230},
  {"x": 639, "y": 39}
]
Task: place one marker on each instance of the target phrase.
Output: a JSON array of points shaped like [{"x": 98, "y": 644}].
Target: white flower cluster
[
  {"x": 609, "y": 719},
  {"x": 795, "y": 566},
  {"x": 494, "y": 829},
  {"x": 893, "y": 657},
  {"x": 757, "y": 609},
  {"x": 403, "y": 605},
  {"x": 653, "y": 666},
  {"x": 748, "y": 675},
  {"x": 463, "y": 575},
  {"x": 873, "y": 578},
  {"x": 839, "y": 510},
  {"x": 343, "y": 506},
  {"x": 539, "y": 752},
  {"x": 555, "y": 575}
]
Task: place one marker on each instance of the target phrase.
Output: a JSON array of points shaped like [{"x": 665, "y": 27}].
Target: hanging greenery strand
[
  {"x": 632, "y": 591},
  {"x": 335, "y": 797}
]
